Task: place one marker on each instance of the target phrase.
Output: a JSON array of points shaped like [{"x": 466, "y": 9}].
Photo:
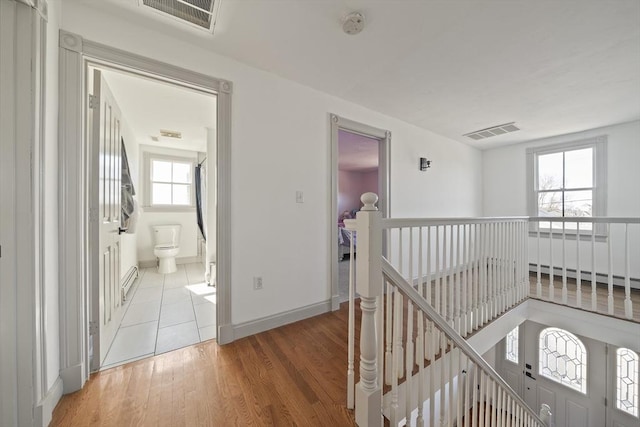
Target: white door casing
[
  {"x": 384, "y": 136},
  {"x": 106, "y": 155}
]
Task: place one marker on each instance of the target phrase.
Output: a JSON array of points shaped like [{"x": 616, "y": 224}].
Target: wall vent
[
  {"x": 492, "y": 131},
  {"x": 198, "y": 13},
  {"x": 171, "y": 134}
]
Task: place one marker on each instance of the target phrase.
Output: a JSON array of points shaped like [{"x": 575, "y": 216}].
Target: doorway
[
  {"x": 360, "y": 163},
  {"x": 78, "y": 271},
  {"x": 149, "y": 144}
]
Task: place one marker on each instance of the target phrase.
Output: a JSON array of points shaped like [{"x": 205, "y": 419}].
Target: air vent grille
[
  {"x": 492, "y": 131},
  {"x": 196, "y": 12}
]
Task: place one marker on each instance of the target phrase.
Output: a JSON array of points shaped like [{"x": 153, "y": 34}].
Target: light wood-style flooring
[{"x": 291, "y": 376}]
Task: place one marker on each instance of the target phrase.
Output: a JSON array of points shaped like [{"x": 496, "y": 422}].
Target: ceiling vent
[
  {"x": 170, "y": 134},
  {"x": 492, "y": 131},
  {"x": 198, "y": 13}
]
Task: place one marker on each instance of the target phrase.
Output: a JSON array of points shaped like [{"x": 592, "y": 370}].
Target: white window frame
[
  {"x": 149, "y": 157},
  {"x": 599, "y": 146},
  {"x": 634, "y": 410},
  {"x": 584, "y": 359},
  {"x": 515, "y": 332}
]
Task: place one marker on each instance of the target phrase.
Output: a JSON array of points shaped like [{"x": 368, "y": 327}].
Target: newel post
[{"x": 369, "y": 286}]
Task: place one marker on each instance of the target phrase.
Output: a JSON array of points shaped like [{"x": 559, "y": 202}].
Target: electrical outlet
[
  {"x": 299, "y": 197},
  {"x": 257, "y": 283}
]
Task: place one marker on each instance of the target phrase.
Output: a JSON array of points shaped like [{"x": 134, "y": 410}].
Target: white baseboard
[
  {"x": 72, "y": 378},
  {"x": 225, "y": 334},
  {"x": 184, "y": 260},
  {"x": 275, "y": 321},
  {"x": 44, "y": 409},
  {"x": 586, "y": 275}
]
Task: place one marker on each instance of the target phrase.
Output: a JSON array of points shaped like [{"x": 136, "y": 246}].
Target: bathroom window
[{"x": 170, "y": 182}]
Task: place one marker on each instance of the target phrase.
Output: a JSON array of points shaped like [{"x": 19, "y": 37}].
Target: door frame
[
  {"x": 384, "y": 137},
  {"x": 75, "y": 247}
]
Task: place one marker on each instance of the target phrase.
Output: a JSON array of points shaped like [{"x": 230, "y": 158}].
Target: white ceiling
[
  {"x": 453, "y": 67},
  {"x": 150, "y": 105}
]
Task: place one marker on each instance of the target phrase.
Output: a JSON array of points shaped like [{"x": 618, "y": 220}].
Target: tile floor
[{"x": 164, "y": 312}]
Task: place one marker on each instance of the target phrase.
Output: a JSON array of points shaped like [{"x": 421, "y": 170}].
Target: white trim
[
  {"x": 44, "y": 409},
  {"x": 384, "y": 173},
  {"x": 600, "y": 190},
  {"x": 76, "y": 54},
  {"x": 275, "y": 321}
]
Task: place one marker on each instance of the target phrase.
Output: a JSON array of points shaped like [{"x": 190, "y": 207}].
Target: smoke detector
[{"x": 353, "y": 23}]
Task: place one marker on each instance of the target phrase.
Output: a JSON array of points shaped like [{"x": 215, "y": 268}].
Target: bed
[{"x": 344, "y": 239}]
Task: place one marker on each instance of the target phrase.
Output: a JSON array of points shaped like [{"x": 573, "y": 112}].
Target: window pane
[
  {"x": 161, "y": 194},
  {"x": 578, "y": 203},
  {"x": 550, "y": 203},
  {"x": 627, "y": 381},
  {"x": 182, "y": 173},
  {"x": 160, "y": 171},
  {"x": 550, "y": 171},
  {"x": 181, "y": 194},
  {"x": 578, "y": 168},
  {"x": 512, "y": 345},
  {"x": 559, "y": 364}
]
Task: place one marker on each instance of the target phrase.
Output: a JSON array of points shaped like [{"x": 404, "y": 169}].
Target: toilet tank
[{"x": 166, "y": 235}]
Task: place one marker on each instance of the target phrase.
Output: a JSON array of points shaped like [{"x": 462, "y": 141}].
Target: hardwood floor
[{"x": 294, "y": 375}]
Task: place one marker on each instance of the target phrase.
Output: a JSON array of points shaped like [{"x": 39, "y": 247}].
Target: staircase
[{"x": 440, "y": 281}]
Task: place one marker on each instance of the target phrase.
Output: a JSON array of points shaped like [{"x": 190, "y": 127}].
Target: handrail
[
  {"x": 425, "y": 222},
  {"x": 396, "y": 278},
  {"x": 591, "y": 219}
]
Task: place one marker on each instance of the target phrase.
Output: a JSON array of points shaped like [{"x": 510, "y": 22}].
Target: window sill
[{"x": 169, "y": 209}]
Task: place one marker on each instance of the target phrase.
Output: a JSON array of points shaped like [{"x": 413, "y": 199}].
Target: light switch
[{"x": 299, "y": 197}]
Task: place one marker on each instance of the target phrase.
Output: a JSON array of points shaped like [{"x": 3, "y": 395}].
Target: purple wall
[{"x": 351, "y": 185}]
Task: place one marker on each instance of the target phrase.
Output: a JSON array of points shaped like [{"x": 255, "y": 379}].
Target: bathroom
[{"x": 166, "y": 263}]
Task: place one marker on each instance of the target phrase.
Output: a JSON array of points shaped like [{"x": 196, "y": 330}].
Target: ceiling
[
  {"x": 150, "y": 105},
  {"x": 357, "y": 153},
  {"x": 453, "y": 67}
]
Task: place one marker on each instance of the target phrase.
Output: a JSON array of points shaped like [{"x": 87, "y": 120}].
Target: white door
[
  {"x": 570, "y": 408},
  {"x": 105, "y": 136}
]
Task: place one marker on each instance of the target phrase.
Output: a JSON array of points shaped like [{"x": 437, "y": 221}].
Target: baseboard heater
[
  {"x": 601, "y": 278},
  {"x": 129, "y": 278}
]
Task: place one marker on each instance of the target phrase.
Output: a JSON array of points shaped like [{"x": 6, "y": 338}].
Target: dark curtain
[
  {"x": 126, "y": 189},
  {"x": 199, "y": 200}
]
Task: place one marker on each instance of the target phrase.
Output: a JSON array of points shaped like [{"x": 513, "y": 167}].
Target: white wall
[
  {"x": 285, "y": 242},
  {"x": 504, "y": 190},
  {"x": 51, "y": 198},
  {"x": 189, "y": 232}
]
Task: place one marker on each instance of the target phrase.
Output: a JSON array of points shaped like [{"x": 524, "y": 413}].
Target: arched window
[
  {"x": 627, "y": 381},
  {"x": 512, "y": 345},
  {"x": 563, "y": 358}
]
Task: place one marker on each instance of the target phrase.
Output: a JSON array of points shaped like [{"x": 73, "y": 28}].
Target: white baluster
[
  {"x": 539, "y": 270},
  {"x": 475, "y": 296},
  {"x": 398, "y": 300},
  {"x": 438, "y": 270},
  {"x": 394, "y": 411},
  {"x": 564, "y": 264},
  {"x": 421, "y": 284},
  {"x": 578, "y": 269},
  {"x": 610, "y": 276},
  {"x": 368, "y": 402},
  {"x": 450, "y": 403},
  {"x": 420, "y": 347},
  {"x": 350, "y": 365},
  {"x": 594, "y": 294},
  {"x": 466, "y": 287},
  {"x": 431, "y": 372},
  {"x": 494, "y": 403},
  {"x": 458, "y": 283},
  {"x": 428, "y": 275},
  {"x": 474, "y": 396},
  {"x": 444, "y": 273},
  {"x": 628, "y": 307},
  {"x": 408, "y": 379},
  {"x": 484, "y": 241},
  {"x": 459, "y": 388},
  {"x": 443, "y": 378},
  {"x": 551, "y": 287},
  {"x": 451, "y": 281},
  {"x": 388, "y": 354}
]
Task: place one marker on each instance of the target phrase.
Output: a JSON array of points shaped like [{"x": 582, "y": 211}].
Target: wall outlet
[
  {"x": 257, "y": 283},
  {"x": 299, "y": 197}
]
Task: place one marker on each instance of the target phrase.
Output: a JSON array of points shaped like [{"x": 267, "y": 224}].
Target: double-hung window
[
  {"x": 170, "y": 182},
  {"x": 567, "y": 180}
]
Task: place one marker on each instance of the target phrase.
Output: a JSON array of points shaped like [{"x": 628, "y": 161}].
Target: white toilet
[{"x": 166, "y": 239}]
